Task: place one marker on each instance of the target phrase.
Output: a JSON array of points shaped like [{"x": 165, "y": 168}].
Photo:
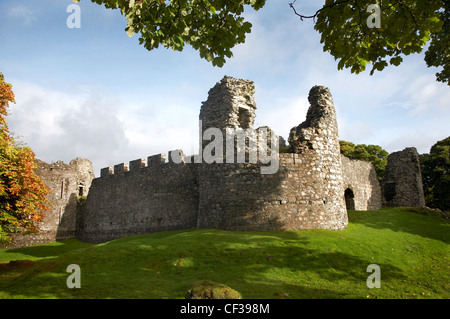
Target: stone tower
[
  {"x": 230, "y": 104},
  {"x": 306, "y": 191},
  {"x": 67, "y": 183},
  {"x": 317, "y": 139},
  {"x": 402, "y": 183}
]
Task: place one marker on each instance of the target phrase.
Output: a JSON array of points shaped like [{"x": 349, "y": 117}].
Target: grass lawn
[{"x": 411, "y": 249}]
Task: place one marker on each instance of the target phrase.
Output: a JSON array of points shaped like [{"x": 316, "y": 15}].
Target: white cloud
[
  {"x": 161, "y": 126},
  {"x": 99, "y": 126},
  {"x": 23, "y": 13},
  {"x": 157, "y": 100},
  {"x": 287, "y": 113},
  {"x": 427, "y": 95},
  {"x": 277, "y": 44},
  {"x": 61, "y": 126},
  {"x": 357, "y": 132},
  {"x": 421, "y": 139}
]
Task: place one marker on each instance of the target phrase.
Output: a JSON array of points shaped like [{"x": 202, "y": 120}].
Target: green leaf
[
  {"x": 396, "y": 60},
  {"x": 214, "y": 31},
  {"x": 407, "y": 26},
  {"x": 219, "y": 61},
  {"x": 208, "y": 56}
]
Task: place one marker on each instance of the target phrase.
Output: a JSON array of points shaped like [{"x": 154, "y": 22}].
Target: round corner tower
[{"x": 316, "y": 141}]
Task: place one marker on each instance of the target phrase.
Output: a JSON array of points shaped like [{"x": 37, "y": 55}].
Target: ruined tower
[
  {"x": 316, "y": 140},
  {"x": 309, "y": 189},
  {"x": 402, "y": 183},
  {"x": 67, "y": 183},
  {"x": 230, "y": 103},
  {"x": 305, "y": 192}
]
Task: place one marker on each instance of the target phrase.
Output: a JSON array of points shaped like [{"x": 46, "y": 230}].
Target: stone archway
[{"x": 349, "y": 199}]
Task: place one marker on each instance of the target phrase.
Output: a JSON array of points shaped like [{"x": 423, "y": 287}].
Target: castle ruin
[
  {"x": 312, "y": 187},
  {"x": 402, "y": 183},
  {"x": 67, "y": 184}
]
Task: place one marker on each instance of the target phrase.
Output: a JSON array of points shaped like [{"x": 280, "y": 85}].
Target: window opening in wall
[
  {"x": 80, "y": 190},
  {"x": 349, "y": 199},
  {"x": 244, "y": 118}
]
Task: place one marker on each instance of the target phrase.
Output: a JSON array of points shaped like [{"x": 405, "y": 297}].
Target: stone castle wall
[
  {"x": 239, "y": 197},
  {"x": 142, "y": 197},
  {"x": 66, "y": 183},
  {"x": 311, "y": 188},
  {"x": 306, "y": 190},
  {"x": 362, "y": 190}
]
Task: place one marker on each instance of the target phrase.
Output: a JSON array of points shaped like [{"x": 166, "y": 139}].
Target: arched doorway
[{"x": 349, "y": 199}]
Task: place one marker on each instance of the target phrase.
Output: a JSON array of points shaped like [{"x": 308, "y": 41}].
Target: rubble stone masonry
[{"x": 311, "y": 188}]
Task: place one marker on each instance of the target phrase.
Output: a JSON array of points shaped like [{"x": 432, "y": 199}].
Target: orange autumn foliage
[{"x": 22, "y": 193}]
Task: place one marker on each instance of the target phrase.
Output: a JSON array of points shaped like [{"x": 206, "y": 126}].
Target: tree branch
[{"x": 291, "y": 5}]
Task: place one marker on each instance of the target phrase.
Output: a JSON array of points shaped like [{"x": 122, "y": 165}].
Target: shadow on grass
[
  {"x": 407, "y": 220},
  {"x": 283, "y": 264},
  {"x": 269, "y": 269},
  {"x": 54, "y": 249},
  {"x": 258, "y": 265}
]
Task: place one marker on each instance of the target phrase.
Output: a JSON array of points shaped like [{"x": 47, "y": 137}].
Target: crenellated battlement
[
  {"x": 235, "y": 182},
  {"x": 175, "y": 157},
  {"x": 178, "y": 157},
  {"x": 142, "y": 196}
]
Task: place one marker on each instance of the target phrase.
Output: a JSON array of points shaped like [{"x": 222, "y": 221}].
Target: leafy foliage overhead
[
  {"x": 213, "y": 27},
  {"x": 405, "y": 28}
]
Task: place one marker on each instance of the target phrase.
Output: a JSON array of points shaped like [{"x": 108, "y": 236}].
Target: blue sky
[{"x": 94, "y": 92}]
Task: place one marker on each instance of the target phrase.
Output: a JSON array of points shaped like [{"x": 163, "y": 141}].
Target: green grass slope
[{"x": 411, "y": 250}]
